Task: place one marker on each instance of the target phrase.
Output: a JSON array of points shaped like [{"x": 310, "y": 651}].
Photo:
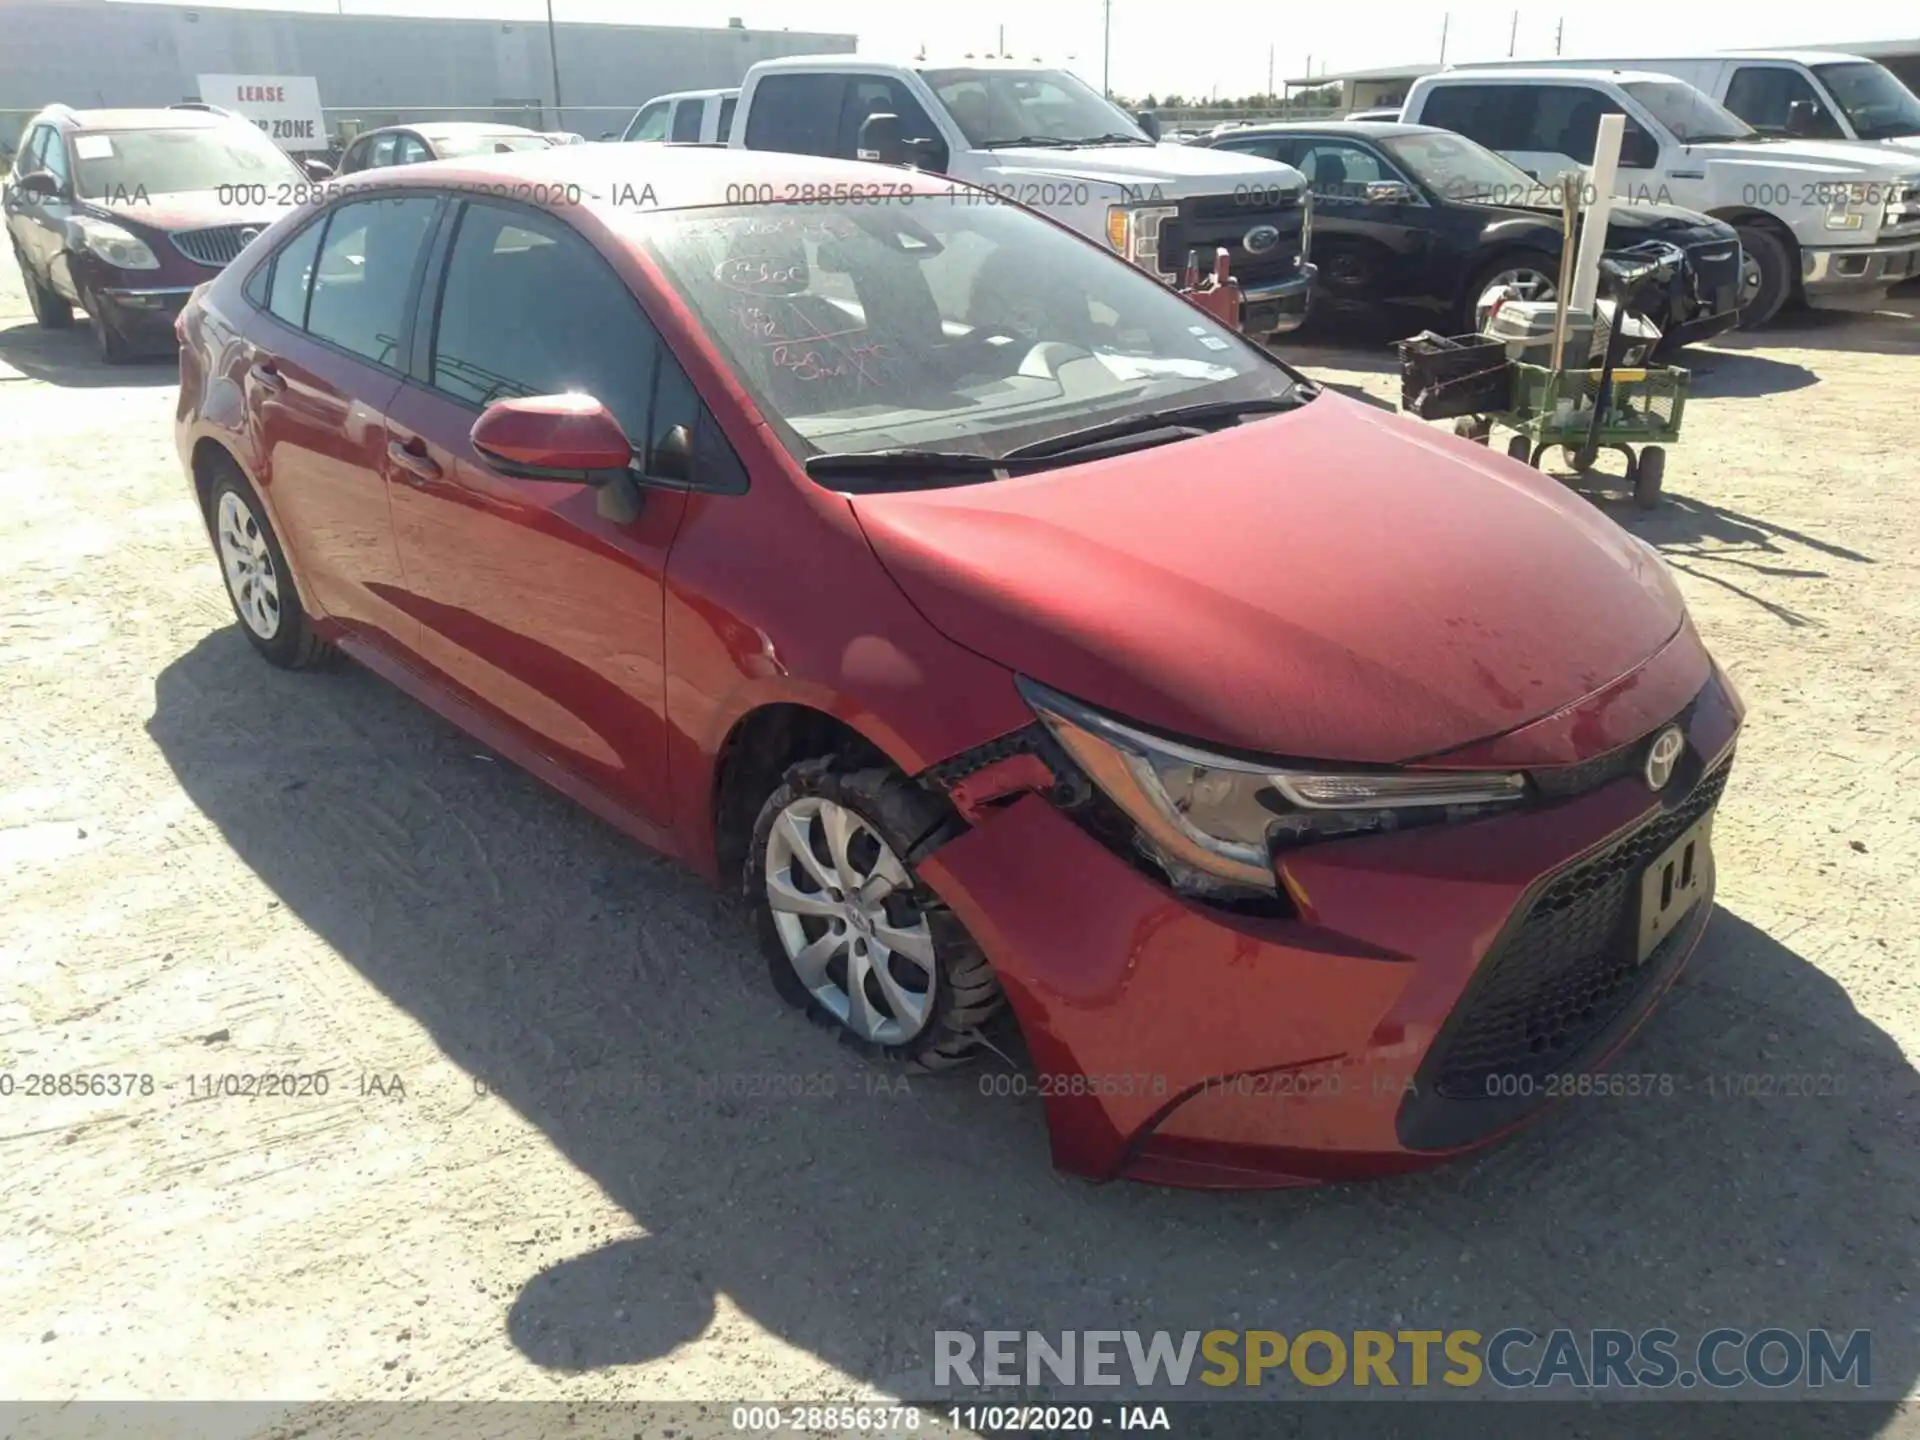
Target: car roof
[
  {"x": 447, "y": 129},
  {"x": 157, "y": 118},
  {"x": 694, "y": 95},
  {"x": 1614, "y": 74},
  {"x": 680, "y": 177},
  {"x": 1359, "y": 129}
]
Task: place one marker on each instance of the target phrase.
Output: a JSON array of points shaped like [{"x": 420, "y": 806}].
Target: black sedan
[{"x": 1421, "y": 220}]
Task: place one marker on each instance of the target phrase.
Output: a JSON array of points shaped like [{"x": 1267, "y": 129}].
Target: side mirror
[
  {"x": 609, "y": 135},
  {"x": 316, "y": 169},
  {"x": 880, "y": 140},
  {"x": 1389, "y": 192},
  {"x": 1802, "y": 117},
  {"x": 39, "y": 182},
  {"x": 1149, "y": 122},
  {"x": 567, "y": 438},
  {"x": 1639, "y": 150}
]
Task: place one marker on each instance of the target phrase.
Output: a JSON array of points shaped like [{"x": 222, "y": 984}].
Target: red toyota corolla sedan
[{"x": 1318, "y": 790}]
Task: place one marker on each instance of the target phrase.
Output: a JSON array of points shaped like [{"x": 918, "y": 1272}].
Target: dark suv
[{"x": 124, "y": 212}]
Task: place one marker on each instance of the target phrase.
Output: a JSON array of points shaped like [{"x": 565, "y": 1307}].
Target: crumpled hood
[
  {"x": 1332, "y": 583},
  {"x": 1178, "y": 170}
]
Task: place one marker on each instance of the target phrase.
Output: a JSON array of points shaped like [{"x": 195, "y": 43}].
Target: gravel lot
[{"x": 517, "y": 1184}]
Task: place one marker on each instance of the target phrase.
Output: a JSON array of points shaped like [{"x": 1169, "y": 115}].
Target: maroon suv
[{"x": 124, "y": 212}]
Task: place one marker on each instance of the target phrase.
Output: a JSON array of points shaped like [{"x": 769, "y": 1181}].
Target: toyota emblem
[
  {"x": 1260, "y": 239},
  {"x": 1663, "y": 755}
]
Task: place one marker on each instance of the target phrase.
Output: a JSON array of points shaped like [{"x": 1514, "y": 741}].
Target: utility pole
[
  {"x": 553, "y": 58},
  {"x": 1444, "y": 21},
  {"x": 1558, "y": 30},
  {"x": 1513, "y": 34},
  {"x": 1003, "y": 40},
  {"x": 1269, "y": 72},
  {"x": 1106, "y": 52}
]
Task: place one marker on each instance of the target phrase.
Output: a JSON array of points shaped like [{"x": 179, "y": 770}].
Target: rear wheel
[
  {"x": 1533, "y": 273},
  {"x": 1520, "y": 448},
  {"x": 1766, "y": 275},
  {"x": 851, "y": 936},
  {"x": 258, "y": 581},
  {"x": 1648, "y": 472},
  {"x": 50, "y": 312}
]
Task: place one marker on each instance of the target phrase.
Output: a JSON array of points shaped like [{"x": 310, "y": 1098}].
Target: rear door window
[
  {"x": 383, "y": 149},
  {"x": 724, "y": 127},
  {"x": 687, "y": 116},
  {"x": 364, "y": 273},
  {"x": 797, "y": 113},
  {"x": 1486, "y": 113}
]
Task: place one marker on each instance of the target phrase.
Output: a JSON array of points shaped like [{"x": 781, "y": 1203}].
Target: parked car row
[{"x": 958, "y": 646}]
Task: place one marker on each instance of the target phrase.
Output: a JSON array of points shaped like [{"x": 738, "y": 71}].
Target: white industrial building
[{"x": 374, "y": 69}]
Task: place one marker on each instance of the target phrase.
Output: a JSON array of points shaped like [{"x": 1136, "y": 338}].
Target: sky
[{"x": 1224, "y": 43}]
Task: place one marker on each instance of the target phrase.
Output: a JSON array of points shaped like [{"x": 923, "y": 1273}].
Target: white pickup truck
[
  {"x": 1045, "y": 139},
  {"x": 1807, "y": 94},
  {"x": 1834, "y": 222}
]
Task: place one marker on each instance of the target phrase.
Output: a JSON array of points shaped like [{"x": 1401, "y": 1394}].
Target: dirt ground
[{"x": 520, "y": 1182}]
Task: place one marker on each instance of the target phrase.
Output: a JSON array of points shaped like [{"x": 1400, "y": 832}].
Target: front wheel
[
  {"x": 1521, "y": 449},
  {"x": 851, "y": 936},
  {"x": 1766, "y": 275},
  {"x": 1532, "y": 274},
  {"x": 108, "y": 342},
  {"x": 50, "y": 312}
]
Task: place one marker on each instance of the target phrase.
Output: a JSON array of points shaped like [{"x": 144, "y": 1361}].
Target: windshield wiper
[
  {"x": 931, "y": 462},
  {"x": 1193, "y": 418},
  {"x": 1114, "y": 137},
  {"x": 1043, "y": 140}
]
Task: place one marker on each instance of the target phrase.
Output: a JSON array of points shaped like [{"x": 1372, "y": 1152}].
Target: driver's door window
[
  {"x": 876, "y": 95},
  {"x": 1763, "y": 96},
  {"x": 54, "y": 160},
  {"x": 651, "y": 123},
  {"x": 1339, "y": 173}
]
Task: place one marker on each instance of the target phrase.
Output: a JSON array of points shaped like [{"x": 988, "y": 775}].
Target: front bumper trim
[{"x": 1852, "y": 269}]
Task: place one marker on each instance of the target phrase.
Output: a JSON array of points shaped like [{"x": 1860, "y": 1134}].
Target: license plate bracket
[{"x": 1672, "y": 885}]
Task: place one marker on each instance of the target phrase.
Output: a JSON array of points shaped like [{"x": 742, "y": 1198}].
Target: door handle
[
  {"x": 267, "y": 375},
  {"x": 412, "y": 458}
]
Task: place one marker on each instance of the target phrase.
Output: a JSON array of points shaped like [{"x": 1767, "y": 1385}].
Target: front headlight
[
  {"x": 117, "y": 245},
  {"x": 1212, "y": 822},
  {"x": 1134, "y": 231}
]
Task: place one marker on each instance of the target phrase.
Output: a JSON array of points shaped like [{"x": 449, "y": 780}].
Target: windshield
[
  {"x": 1690, "y": 115},
  {"x": 1880, "y": 107},
  {"x": 924, "y": 325},
  {"x": 165, "y": 162},
  {"x": 1007, "y": 107},
  {"x": 1456, "y": 168},
  {"x": 448, "y": 147}
]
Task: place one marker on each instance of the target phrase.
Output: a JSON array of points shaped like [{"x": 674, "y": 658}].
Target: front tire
[
  {"x": 108, "y": 342},
  {"x": 258, "y": 581},
  {"x": 1766, "y": 276},
  {"x": 851, "y": 936},
  {"x": 50, "y": 312},
  {"x": 1534, "y": 273}
]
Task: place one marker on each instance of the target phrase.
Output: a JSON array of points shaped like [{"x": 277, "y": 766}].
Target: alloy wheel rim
[
  {"x": 1531, "y": 285},
  {"x": 843, "y": 906},
  {"x": 1750, "y": 279},
  {"x": 248, "y": 564}
]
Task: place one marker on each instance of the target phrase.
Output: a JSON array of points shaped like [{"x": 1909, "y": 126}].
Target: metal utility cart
[{"x": 1636, "y": 410}]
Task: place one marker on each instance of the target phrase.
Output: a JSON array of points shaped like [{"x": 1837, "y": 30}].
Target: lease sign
[{"x": 285, "y": 107}]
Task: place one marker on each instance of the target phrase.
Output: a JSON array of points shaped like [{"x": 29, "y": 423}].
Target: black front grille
[
  {"x": 220, "y": 245},
  {"x": 1208, "y": 222},
  {"x": 1568, "y": 970}
]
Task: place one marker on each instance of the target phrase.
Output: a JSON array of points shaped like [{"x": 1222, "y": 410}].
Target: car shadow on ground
[
  {"x": 1742, "y": 374},
  {"x": 1891, "y": 329},
  {"x": 67, "y": 358},
  {"x": 617, "y": 1003},
  {"x": 1724, "y": 547}
]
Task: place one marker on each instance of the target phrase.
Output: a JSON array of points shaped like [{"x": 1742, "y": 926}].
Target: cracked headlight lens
[{"x": 1213, "y": 821}]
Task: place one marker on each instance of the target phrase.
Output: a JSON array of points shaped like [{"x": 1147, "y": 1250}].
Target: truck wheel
[
  {"x": 1766, "y": 275},
  {"x": 1519, "y": 448}
]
